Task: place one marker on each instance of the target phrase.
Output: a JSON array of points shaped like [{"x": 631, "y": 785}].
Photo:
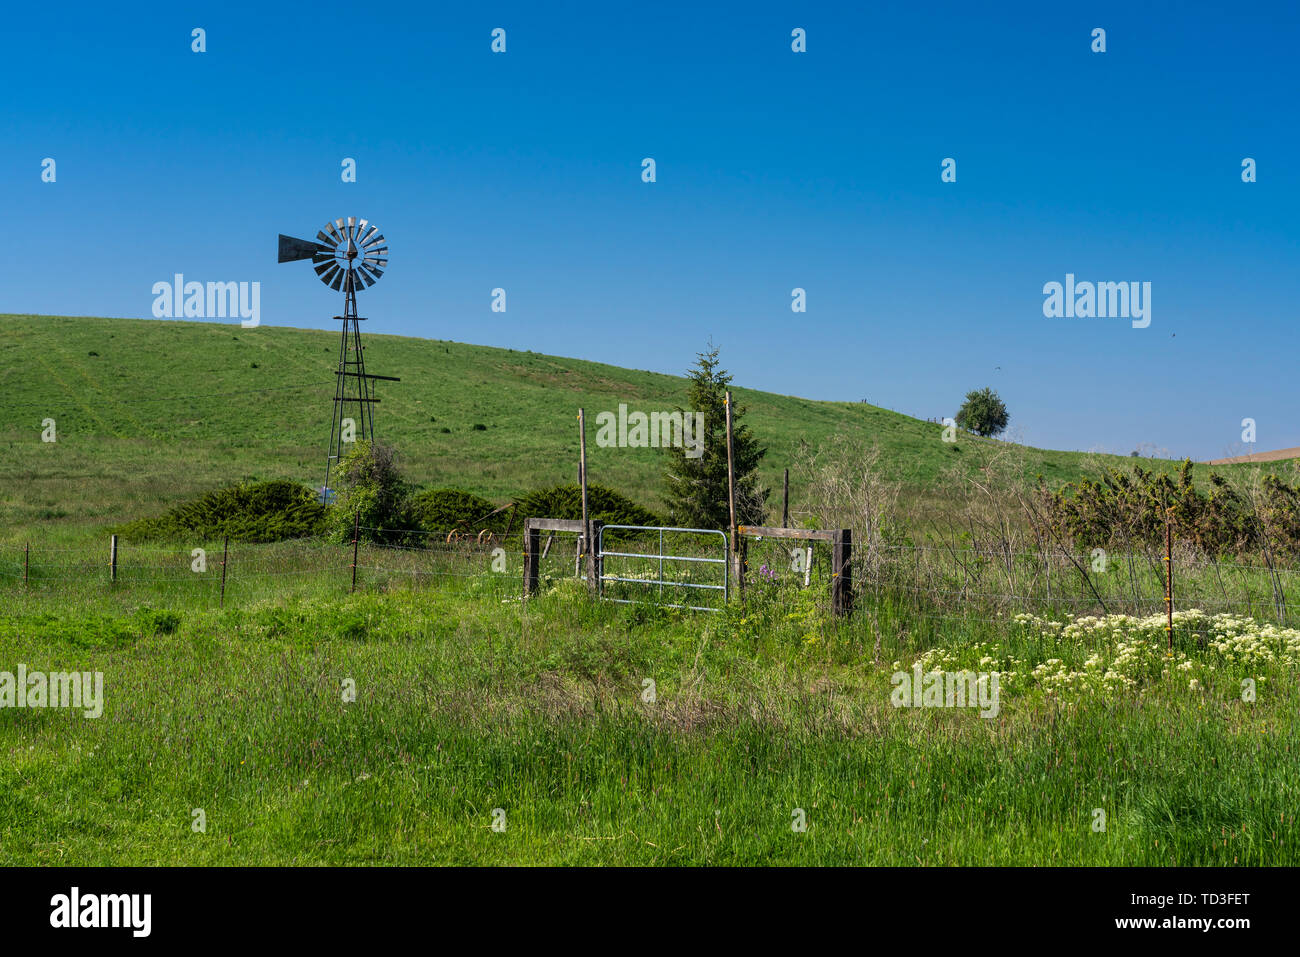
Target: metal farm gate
[{"x": 658, "y": 558}]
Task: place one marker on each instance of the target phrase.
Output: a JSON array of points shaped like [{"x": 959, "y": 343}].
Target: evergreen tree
[{"x": 695, "y": 489}]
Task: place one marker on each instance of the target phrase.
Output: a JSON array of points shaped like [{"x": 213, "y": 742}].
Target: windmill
[{"x": 348, "y": 255}]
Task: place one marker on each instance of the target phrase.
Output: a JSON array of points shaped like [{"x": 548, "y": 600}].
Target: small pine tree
[
  {"x": 695, "y": 489},
  {"x": 983, "y": 413}
]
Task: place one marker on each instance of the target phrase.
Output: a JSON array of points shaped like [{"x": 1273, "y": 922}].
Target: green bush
[
  {"x": 373, "y": 496},
  {"x": 1130, "y": 508},
  {"x": 251, "y": 512},
  {"x": 565, "y": 501},
  {"x": 444, "y": 509}
]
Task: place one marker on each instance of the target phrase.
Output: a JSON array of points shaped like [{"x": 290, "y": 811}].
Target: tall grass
[{"x": 467, "y": 701}]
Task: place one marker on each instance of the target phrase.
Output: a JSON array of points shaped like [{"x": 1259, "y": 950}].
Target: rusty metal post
[
  {"x": 1169, "y": 580},
  {"x": 225, "y": 553},
  {"x": 356, "y": 537}
]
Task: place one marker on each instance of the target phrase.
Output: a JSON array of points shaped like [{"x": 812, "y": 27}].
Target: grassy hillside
[{"x": 149, "y": 413}]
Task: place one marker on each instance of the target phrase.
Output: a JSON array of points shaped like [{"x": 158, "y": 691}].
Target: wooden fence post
[
  {"x": 532, "y": 559},
  {"x": 27, "y": 554},
  {"x": 582, "y": 473},
  {"x": 785, "y": 501},
  {"x": 842, "y": 572},
  {"x": 737, "y": 543},
  {"x": 112, "y": 559},
  {"x": 593, "y": 556}
]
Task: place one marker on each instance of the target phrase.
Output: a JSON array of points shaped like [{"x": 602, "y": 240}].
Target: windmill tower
[{"x": 348, "y": 255}]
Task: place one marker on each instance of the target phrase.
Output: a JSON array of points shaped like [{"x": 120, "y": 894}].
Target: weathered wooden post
[
  {"x": 785, "y": 501},
  {"x": 112, "y": 559},
  {"x": 593, "y": 556},
  {"x": 737, "y": 548},
  {"x": 842, "y": 572},
  {"x": 27, "y": 554},
  {"x": 532, "y": 558},
  {"x": 585, "y": 541}
]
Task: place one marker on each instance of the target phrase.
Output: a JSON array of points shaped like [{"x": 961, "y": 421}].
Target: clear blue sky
[{"x": 775, "y": 170}]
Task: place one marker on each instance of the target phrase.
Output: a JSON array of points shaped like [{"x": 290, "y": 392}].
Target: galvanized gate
[{"x": 660, "y": 583}]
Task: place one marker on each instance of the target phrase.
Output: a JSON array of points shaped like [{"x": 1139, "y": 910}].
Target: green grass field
[
  {"x": 467, "y": 702},
  {"x": 472, "y": 708}
]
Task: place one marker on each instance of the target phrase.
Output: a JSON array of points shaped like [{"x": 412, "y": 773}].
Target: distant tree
[
  {"x": 695, "y": 488},
  {"x": 983, "y": 413}
]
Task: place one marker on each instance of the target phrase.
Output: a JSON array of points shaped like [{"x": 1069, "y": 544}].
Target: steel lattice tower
[{"x": 348, "y": 255}]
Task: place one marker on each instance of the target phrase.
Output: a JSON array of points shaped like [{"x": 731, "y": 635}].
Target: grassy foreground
[{"x": 466, "y": 702}]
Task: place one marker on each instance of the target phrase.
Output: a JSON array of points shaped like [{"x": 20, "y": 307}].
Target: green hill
[{"x": 148, "y": 413}]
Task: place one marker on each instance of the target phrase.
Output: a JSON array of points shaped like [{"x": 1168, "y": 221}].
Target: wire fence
[
  {"x": 218, "y": 573},
  {"x": 1004, "y": 581},
  {"x": 982, "y": 582}
]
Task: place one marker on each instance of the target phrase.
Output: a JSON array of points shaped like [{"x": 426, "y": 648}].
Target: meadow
[
  {"x": 470, "y": 704},
  {"x": 433, "y": 717}
]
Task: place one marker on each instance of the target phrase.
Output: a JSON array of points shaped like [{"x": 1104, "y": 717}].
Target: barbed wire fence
[{"x": 987, "y": 582}]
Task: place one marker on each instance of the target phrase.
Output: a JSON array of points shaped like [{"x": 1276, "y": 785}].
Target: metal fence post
[
  {"x": 225, "y": 552},
  {"x": 356, "y": 536}
]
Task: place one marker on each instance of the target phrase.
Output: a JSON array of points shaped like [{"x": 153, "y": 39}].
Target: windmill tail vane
[{"x": 349, "y": 255}]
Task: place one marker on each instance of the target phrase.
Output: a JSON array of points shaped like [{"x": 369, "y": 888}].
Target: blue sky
[{"x": 775, "y": 170}]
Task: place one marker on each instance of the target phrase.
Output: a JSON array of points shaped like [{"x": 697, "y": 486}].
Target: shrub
[
  {"x": 604, "y": 504},
  {"x": 444, "y": 509},
  {"x": 373, "y": 495},
  {"x": 252, "y": 512},
  {"x": 1127, "y": 508}
]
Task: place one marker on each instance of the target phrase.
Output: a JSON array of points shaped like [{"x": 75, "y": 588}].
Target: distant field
[
  {"x": 150, "y": 412},
  {"x": 1277, "y": 455}
]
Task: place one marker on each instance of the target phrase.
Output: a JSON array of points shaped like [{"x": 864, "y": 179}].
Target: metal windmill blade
[
  {"x": 345, "y": 246},
  {"x": 292, "y": 250}
]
